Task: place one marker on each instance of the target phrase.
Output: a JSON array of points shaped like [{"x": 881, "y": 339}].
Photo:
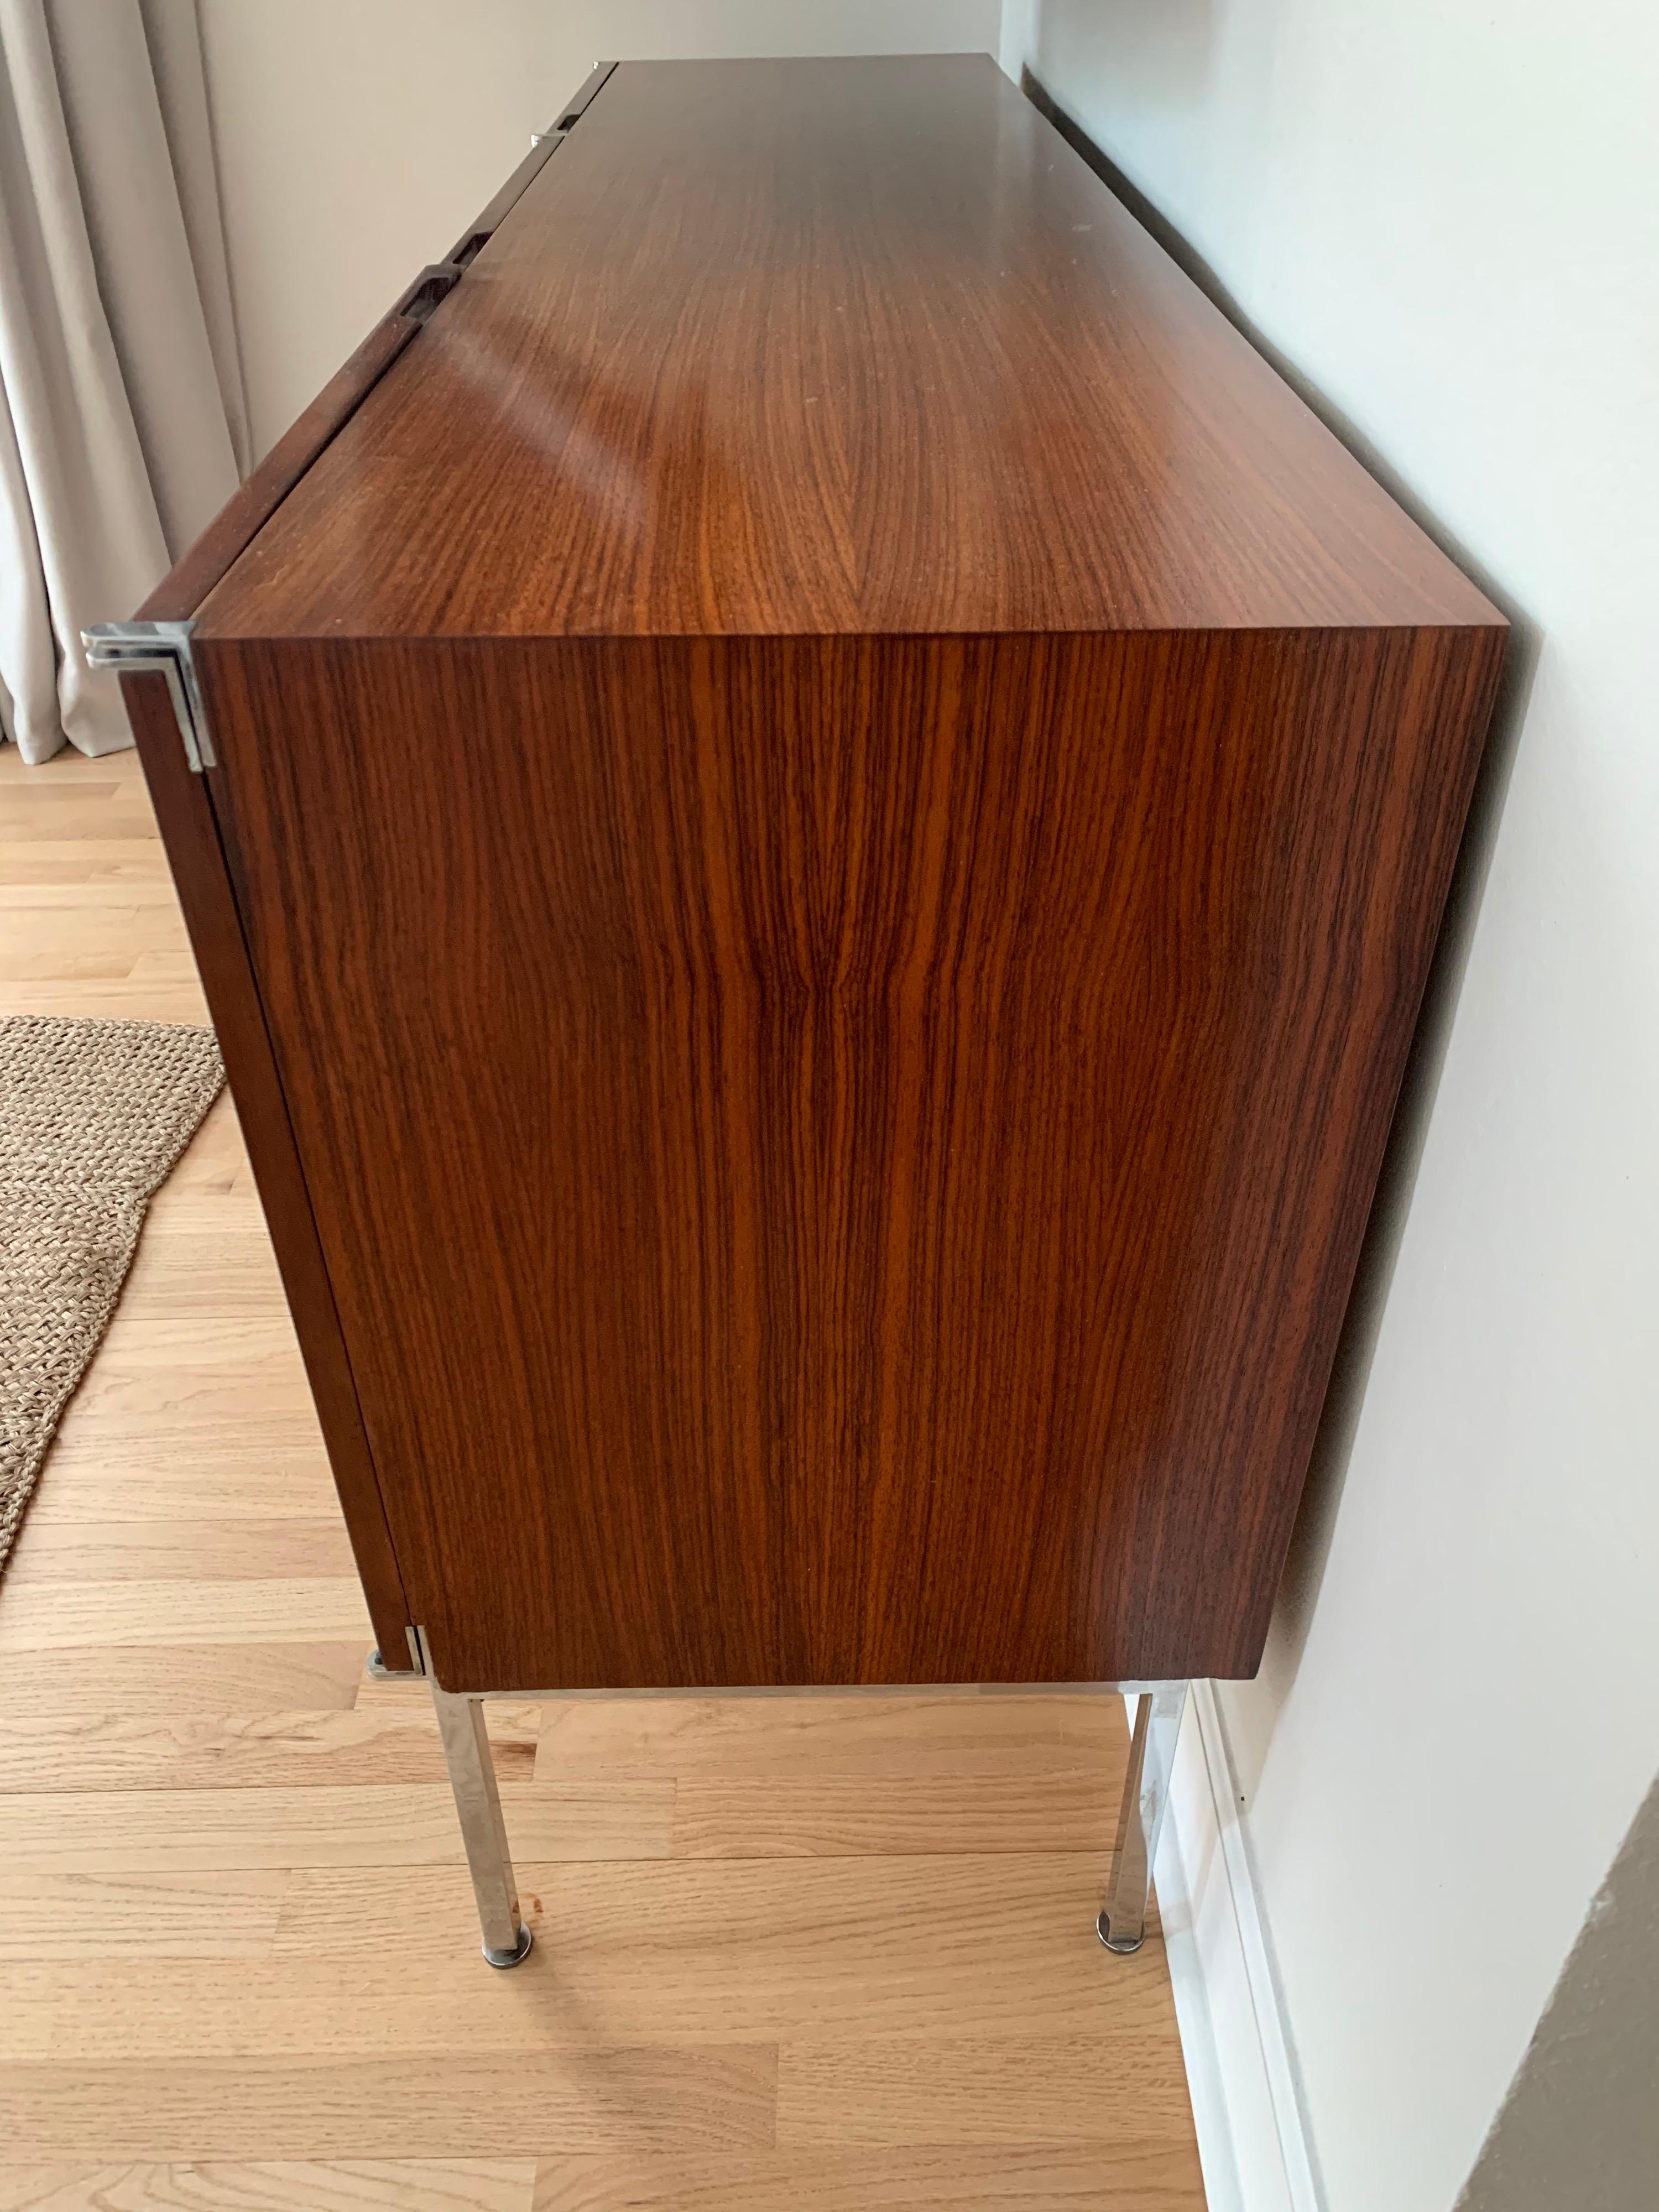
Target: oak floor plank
[
  {"x": 838, "y": 1816},
  {"x": 1073, "y": 2088},
  {"x": 56, "y": 1551},
  {"x": 192, "y": 1426},
  {"x": 900, "y": 1736},
  {"x": 71, "y": 920},
  {"x": 164, "y": 1681},
  {"x": 106, "y": 998},
  {"x": 459, "y": 2106},
  {"x": 173, "y": 1343},
  {"x": 84, "y": 900},
  {"x": 126, "y": 1913},
  {"x": 212, "y": 1195},
  {"x": 111, "y": 862},
  {"x": 68, "y": 808},
  {"x": 206, "y": 1209},
  {"x": 275, "y": 2186},
  {"x": 21, "y": 962},
  {"x": 170, "y": 962},
  {"x": 103, "y": 1751},
  {"x": 253, "y": 1477},
  {"x": 66, "y": 766},
  {"x": 229, "y": 1270},
  {"x": 375, "y": 1825},
  {"x": 43, "y": 1616},
  {"x": 107, "y": 941},
  {"x": 1126, "y": 2175},
  {"x": 219, "y": 1412}
]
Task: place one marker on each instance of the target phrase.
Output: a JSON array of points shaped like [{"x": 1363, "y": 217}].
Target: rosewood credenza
[{"x": 814, "y": 810}]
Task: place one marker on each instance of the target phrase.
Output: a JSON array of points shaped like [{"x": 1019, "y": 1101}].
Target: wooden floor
[{"x": 817, "y": 1955}]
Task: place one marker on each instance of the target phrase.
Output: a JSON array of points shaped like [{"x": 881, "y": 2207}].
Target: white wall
[
  {"x": 357, "y": 137},
  {"x": 1445, "y": 215}
]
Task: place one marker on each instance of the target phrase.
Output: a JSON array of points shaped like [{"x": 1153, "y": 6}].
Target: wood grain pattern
[
  {"x": 923, "y": 1098},
  {"x": 275, "y": 2186},
  {"x": 171, "y": 1830},
  {"x": 45, "y": 1616},
  {"x": 241, "y": 1483},
  {"x": 386, "y": 2108},
  {"x": 1126, "y": 2175},
  {"x": 268, "y": 1748},
  {"x": 142, "y": 1912},
  {"x": 828, "y": 347},
  {"x": 844, "y": 1816},
  {"x": 167, "y": 1682},
  {"x": 232, "y": 1267},
  {"x": 191, "y": 1551},
  {"x": 762, "y": 1740},
  {"x": 983, "y": 2089}
]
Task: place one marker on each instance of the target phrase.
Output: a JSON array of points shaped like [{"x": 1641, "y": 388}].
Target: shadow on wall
[
  {"x": 1580, "y": 2125},
  {"x": 1167, "y": 63},
  {"x": 1161, "y": 56}
]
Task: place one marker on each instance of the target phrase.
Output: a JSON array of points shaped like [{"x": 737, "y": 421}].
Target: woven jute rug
[{"x": 92, "y": 1116}]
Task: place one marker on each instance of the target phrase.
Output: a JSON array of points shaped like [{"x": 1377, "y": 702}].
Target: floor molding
[{"x": 1246, "y": 2103}]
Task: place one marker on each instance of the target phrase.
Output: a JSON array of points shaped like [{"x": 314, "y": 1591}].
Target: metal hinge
[{"x": 165, "y": 647}]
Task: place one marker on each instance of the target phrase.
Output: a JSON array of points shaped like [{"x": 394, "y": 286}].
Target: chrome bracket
[
  {"x": 163, "y": 646},
  {"x": 380, "y": 1672}
]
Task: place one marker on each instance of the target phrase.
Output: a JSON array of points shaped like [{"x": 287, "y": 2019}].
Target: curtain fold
[{"x": 123, "y": 425}]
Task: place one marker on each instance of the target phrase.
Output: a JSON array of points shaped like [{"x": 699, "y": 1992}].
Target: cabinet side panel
[
  {"x": 184, "y": 811},
  {"x": 842, "y": 1160},
  {"x": 1349, "y": 766}
]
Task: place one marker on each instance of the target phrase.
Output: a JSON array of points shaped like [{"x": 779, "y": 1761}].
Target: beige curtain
[{"x": 122, "y": 424}]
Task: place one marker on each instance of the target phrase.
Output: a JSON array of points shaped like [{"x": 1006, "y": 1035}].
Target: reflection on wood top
[{"x": 815, "y": 347}]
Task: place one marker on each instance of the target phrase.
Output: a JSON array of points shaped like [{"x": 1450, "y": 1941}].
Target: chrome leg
[
  {"x": 1122, "y": 1924},
  {"x": 479, "y": 1803}
]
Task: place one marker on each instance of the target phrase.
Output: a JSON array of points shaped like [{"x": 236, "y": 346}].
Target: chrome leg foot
[
  {"x": 478, "y": 1804},
  {"x": 521, "y": 1950},
  {"x": 1122, "y": 1926}
]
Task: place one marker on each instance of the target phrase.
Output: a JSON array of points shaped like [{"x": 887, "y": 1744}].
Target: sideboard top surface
[{"x": 810, "y": 348}]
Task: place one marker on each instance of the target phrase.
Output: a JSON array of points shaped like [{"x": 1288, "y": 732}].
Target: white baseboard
[{"x": 1246, "y": 2108}]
